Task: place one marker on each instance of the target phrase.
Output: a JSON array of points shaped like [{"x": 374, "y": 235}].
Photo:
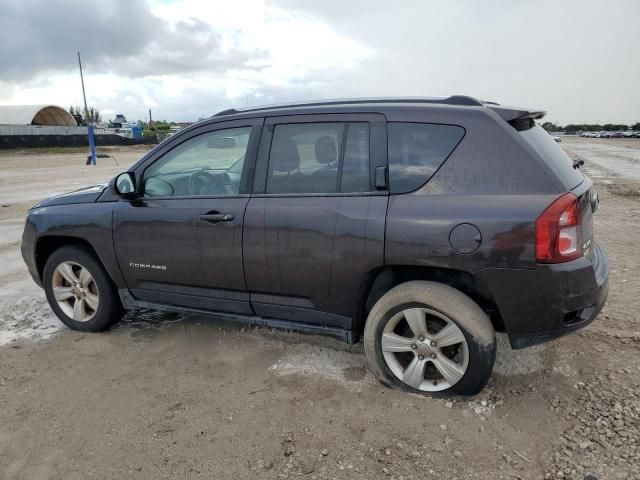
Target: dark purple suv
[{"x": 420, "y": 225}]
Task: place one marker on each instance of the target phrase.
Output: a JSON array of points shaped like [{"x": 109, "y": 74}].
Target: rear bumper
[{"x": 551, "y": 300}]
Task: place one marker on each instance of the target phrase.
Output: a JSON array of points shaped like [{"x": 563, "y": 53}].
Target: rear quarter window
[
  {"x": 553, "y": 155},
  {"x": 416, "y": 151}
]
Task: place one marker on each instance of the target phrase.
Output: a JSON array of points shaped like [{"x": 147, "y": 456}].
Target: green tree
[
  {"x": 572, "y": 128},
  {"x": 550, "y": 127},
  {"x": 94, "y": 115},
  {"x": 582, "y": 127},
  {"x": 80, "y": 115},
  {"x": 614, "y": 127}
]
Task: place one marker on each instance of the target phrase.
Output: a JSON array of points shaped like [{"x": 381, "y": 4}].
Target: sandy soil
[{"x": 169, "y": 396}]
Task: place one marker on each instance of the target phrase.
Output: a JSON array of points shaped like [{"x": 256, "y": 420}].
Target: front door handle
[{"x": 216, "y": 217}]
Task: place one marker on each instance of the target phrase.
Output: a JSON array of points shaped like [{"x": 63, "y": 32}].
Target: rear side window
[
  {"x": 553, "y": 155},
  {"x": 356, "y": 175},
  {"x": 319, "y": 158},
  {"x": 416, "y": 151}
]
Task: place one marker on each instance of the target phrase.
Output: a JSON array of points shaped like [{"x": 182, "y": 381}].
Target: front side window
[
  {"x": 319, "y": 158},
  {"x": 416, "y": 151},
  {"x": 208, "y": 164}
]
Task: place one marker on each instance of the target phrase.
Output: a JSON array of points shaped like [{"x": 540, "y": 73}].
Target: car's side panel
[
  {"x": 489, "y": 182},
  {"x": 168, "y": 253},
  {"x": 172, "y": 251},
  {"x": 419, "y": 229},
  {"x": 305, "y": 257},
  {"x": 90, "y": 222}
]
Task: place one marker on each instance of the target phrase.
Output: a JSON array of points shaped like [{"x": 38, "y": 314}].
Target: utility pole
[
  {"x": 150, "y": 120},
  {"x": 92, "y": 144},
  {"x": 84, "y": 96}
]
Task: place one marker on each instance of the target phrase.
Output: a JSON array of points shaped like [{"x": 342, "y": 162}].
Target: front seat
[
  {"x": 284, "y": 160},
  {"x": 324, "y": 179}
]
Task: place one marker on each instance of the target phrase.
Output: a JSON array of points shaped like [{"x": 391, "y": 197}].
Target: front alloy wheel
[
  {"x": 75, "y": 291},
  {"x": 79, "y": 290}
]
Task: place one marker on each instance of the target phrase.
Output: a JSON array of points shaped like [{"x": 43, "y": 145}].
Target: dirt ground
[{"x": 167, "y": 396}]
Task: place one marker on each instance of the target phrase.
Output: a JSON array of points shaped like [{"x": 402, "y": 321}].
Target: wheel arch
[
  {"x": 48, "y": 244},
  {"x": 380, "y": 280}
]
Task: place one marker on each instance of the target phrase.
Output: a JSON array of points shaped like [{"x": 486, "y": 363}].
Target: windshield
[{"x": 554, "y": 156}]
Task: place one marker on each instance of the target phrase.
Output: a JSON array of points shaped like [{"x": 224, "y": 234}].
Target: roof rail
[
  {"x": 228, "y": 111},
  {"x": 451, "y": 100}
]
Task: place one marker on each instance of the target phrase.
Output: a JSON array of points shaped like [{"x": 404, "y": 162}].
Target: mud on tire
[{"x": 442, "y": 306}]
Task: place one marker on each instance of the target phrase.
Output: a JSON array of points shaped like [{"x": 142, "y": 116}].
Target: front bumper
[
  {"x": 551, "y": 300},
  {"x": 28, "y": 250}
]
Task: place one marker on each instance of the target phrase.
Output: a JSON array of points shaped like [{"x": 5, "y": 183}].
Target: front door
[
  {"x": 314, "y": 226},
  {"x": 181, "y": 242}
]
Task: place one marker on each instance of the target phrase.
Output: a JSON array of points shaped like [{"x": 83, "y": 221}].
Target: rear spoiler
[{"x": 518, "y": 118}]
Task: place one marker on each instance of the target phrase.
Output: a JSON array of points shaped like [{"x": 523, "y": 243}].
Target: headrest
[
  {"x": 284, "y": 156},
  {"x": 326, "y": 150}
]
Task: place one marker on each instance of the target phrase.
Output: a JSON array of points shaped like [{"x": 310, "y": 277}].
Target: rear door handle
[{"x": 216, "y": 217}]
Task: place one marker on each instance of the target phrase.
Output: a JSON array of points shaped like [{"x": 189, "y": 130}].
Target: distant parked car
[{"x": 555, "y": 138}]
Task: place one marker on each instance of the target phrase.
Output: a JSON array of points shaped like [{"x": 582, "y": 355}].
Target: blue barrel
[{"x": 137, "y": 132}]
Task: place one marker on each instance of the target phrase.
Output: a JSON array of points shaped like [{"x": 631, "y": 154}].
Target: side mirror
[{"x": 124, "y": 185}]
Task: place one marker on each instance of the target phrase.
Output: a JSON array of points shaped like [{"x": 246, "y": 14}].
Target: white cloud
[
  {"x": 189, "y": 58},
  {"x": 188, "y": 68}
]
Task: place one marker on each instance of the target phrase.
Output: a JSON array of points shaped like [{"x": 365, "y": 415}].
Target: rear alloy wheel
[
  {"x": 79, "y": 290},
  {"x": 429, "y": 338},
  {"x": 425, "y": 349}
]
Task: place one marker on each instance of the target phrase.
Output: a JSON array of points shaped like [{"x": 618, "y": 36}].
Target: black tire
[
  {"x": 458, "y": 308},
  {"x": 109, "y": 310}
]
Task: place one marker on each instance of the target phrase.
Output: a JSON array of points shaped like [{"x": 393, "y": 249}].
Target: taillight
[{"x": 559, "y": 231}]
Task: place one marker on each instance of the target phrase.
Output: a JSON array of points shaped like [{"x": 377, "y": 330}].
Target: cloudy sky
[{"x": 186, "y": 59}]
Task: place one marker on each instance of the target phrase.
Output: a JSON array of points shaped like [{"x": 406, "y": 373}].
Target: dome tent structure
[{"x": 35, "y": 115}]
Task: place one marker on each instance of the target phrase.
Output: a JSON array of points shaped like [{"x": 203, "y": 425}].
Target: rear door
[
  {"x": 181, "y": 243},
  {"x": 315, "y": 224}
]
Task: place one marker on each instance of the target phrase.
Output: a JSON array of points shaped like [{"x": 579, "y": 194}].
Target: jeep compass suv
[{"x": 420, "y": 225}]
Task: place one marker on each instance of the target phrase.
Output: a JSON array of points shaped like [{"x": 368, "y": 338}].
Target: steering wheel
[{"x": 203, "y": 179}]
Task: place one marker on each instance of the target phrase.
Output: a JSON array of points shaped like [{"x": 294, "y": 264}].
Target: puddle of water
[
  {"x": 32, "y": 319},
  {"x": 145, "y": 325},
  {"x": 340, "y": 366},
  {"x": 343, "y": 367},
  {"x": 28, "y": 319},
  {"x": 350, "y": 368}
]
